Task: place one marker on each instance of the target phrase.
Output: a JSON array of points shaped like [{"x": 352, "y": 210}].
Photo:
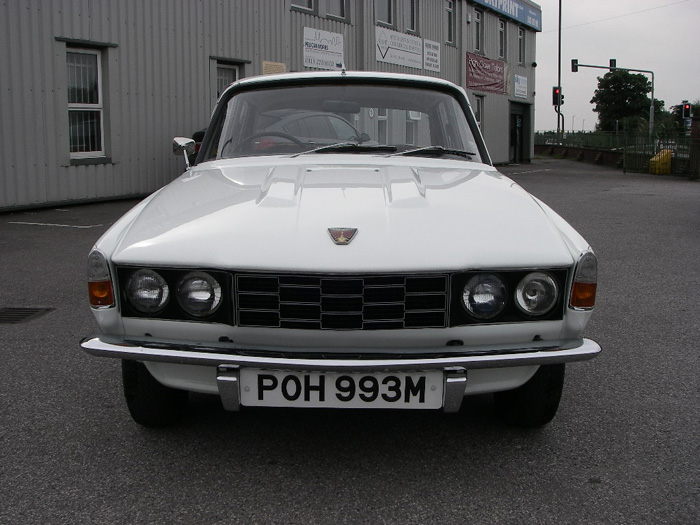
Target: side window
[
  {"x": 343, "y": 130},
  {"x": 318, "y": 127},
  {"x": 521, "y": 45},
  {"x": 85, "y": 107}
]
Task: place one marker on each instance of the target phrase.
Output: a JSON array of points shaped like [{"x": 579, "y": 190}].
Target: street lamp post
[{"x": 572, "y": 122}]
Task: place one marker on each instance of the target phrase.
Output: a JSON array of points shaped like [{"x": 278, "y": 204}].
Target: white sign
[
  {"x": 520, "y": 86},
  {"x": 431, "y": 56},
  {"x": 398, "y": 48},
  {"x": 322, "y": 49}
]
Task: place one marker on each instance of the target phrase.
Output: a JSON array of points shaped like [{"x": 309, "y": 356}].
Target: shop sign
[{"x": 484, "y": 74}]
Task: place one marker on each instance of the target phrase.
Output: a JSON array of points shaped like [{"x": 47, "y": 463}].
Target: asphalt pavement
[{"x": 624, "y": 447}]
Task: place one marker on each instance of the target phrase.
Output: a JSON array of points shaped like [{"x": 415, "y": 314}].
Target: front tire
[
  {"x": 535, "y": 403},
  {"x": 150, "y": 403}
]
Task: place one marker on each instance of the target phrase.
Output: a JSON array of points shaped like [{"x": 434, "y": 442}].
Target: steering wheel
[{"x": 280, "y": 134}]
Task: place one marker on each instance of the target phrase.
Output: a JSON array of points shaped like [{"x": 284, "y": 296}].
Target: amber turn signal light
[
  {"x": 583, "y": 295},
  {"x": 101, "y": 293}
]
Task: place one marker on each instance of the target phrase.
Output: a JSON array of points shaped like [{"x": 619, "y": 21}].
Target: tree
[{"x": 621, "y": 100}]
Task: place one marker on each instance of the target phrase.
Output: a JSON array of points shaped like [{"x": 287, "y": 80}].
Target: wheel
[
  {"x": 535, "y": 403},
  {"x": 150, "y": 403}
]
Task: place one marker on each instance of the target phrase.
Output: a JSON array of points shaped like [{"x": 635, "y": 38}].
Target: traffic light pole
[{"x": 574, "y": 68}]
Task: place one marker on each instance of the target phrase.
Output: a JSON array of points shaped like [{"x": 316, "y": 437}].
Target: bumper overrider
[{"x": 228, "y": 358}]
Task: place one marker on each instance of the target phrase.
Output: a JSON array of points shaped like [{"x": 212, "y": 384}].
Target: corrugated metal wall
[{"x": 157, "y": 59}]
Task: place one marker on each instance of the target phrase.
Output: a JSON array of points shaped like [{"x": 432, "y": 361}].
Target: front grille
[{"x": 330, "y": 302}]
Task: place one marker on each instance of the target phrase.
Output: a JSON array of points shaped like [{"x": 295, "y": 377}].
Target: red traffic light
[
  {"x": 686, "y": 110},
  {"x": 556, "y": 96}
]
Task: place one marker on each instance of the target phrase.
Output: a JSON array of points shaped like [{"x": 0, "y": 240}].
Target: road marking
[{"x": 56, "y": 225}]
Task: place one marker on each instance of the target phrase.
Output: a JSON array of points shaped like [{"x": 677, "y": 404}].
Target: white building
[{"x": 93, "y": 91}]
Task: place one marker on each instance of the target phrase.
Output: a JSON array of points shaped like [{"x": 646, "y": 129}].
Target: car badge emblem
[{"x": 342, "y": 236}]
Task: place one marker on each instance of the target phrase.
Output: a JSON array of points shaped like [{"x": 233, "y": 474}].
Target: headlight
[
  {"x": 199, "y": 294},
  {"x": 484, "y": 296},
  {"x": 536, "y": 293},
  {"x": 147, "y": 292}
]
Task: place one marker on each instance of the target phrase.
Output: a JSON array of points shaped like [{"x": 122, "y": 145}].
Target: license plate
[{"x": 275, "y": 388}]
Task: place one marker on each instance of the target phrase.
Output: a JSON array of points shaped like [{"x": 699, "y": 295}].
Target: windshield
[{"x": 382, "y": 119}]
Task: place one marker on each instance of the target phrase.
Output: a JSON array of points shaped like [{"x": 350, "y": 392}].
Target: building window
[
  {"x": 521, "y": 45},
  {"x": 478, "y": 30},
  {"x": 385, "y": 12},
  {"x": 411, "y": 10},
  {"x": 411, "y": 128},
  {"x": 338, "y": 9},
  {"x": 303, "y": 4},
  {"x": 479, "y": 111},
  {"x": 501, "y": 38},
  {"x": 382, "y": 126},
  {"x": 85, "y": 109},
  {"x": 450, "y": 20},
  {"x": 225, "y": 75}
]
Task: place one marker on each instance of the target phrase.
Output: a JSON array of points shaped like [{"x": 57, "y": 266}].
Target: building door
[
  {"x": 516, "y": 138},
  {"x": 520, "y": 133}
]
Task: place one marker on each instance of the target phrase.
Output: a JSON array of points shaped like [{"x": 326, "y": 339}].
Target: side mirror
[
  {"x": 185, "y": 146},
  {"x": 364, "y": 137}
]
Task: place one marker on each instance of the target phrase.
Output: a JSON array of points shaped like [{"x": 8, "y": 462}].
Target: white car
[{"x": 401, "y": 272}]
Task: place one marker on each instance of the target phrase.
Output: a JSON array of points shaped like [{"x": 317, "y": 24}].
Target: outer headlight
[
  {"x": 484, "y": 296},
  {"x": 147, "y": 292},
  {"x": 199, "y": 294},
  {"x": 536, "y": 293}
]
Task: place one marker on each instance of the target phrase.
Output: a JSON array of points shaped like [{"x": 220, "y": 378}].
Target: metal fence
[{"x": 672, "y": 153}]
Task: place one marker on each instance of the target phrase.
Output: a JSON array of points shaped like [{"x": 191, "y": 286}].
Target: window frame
[
  {"x": 96, "y": 107},
  {"x": 521, "y": 45},
  {"x": 502, "y": 38},
  {"x": 304, "y": 9},
  {"x": 479, "y": 30},
  {"x": 450, "y": 22},
  {"x": 223, "y": 65},
  {"x": 411, "y": 12},
  {"x": 391, "y": 4},
  {"x": 345, "y": 17}
]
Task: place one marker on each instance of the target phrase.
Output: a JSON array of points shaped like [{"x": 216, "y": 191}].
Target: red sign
[{"x": 485, "y": 75}]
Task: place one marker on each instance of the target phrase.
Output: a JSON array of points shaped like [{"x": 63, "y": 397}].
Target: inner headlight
[
  {"x": 536, "y": 293},
  {"x": 484, "y": 296},
  {"x": 199, "y": 294},
  {"x": 147, "y": 291}
]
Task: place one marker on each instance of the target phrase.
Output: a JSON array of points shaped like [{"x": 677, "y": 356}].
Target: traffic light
[
  {"x": 556, "y": 96},
  {"x": 686, "y": 109},
  {"x": 574, "y": 65},
  {"x": 613, "y": 64}
]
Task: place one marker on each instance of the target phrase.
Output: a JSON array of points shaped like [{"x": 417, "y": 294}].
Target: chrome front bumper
[{"x": 228, "y": 358}]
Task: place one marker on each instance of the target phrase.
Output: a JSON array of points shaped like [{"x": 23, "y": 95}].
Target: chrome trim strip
[{"x": 213, "y": 355}]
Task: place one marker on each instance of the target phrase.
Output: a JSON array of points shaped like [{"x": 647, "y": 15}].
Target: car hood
[{"x": 411, "y": 214}]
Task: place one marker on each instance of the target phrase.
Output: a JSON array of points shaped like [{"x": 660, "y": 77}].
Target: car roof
[{"x": 310, "y": 76}]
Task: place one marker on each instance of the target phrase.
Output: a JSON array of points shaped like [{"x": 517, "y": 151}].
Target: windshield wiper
[
  {"x": 435, "y": 150},
  {"x": 353, "y": 147}
]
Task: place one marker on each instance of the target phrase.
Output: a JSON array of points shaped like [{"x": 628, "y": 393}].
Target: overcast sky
[{"x": 658, "y": 35}]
